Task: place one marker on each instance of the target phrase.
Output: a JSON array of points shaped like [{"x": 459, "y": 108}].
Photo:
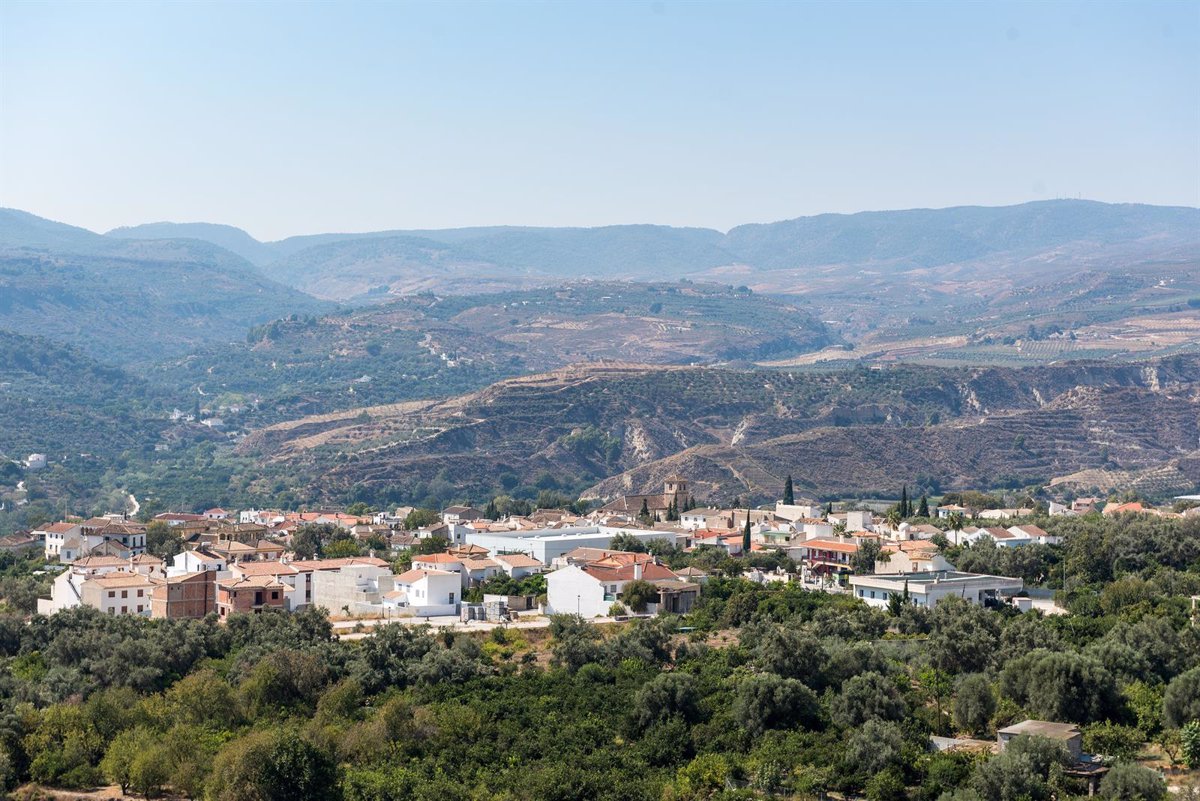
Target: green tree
[
  {"x": 638, "y": 593},
  {"x": 666, "y": 695},
  {"x": 923, "y": 509},
  {"x": 876, "y": 746},
  {"x": 161, "y": 541},
  {"x": 627, "y": 542},
  {"x": 1127, "y": 781},
  {"x": 974, "y": 703},
  {"x": 1181, "y": 701},
  {"x": 1189, "y": 744},
  {"x": 421, "y": 518},
  {"x": 1061, "y": 686},
  {"x": 864, "y": 697},
  {"x": 964, "y": 636},
  {"x": 1112, "y": 740},
  {"x": 117, "y": 763},
  {"x": 746, "y": 536},
  {"x": 767, "y": 701},
  {"x": 644, "y": 514},
  {"x": 905, "y": 509},
  {"x": 272, "y": 765},
  {"x": 789, "y": 494},
  {"x": 1022, "y": 772}
]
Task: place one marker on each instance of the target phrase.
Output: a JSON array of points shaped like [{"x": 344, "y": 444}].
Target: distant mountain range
[
  {"x": 131, "y": 300},
  {"x": 159, "y": 290},
  {"x": 346, "y": 266}
]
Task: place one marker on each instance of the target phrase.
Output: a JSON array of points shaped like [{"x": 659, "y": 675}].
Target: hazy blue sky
[{"x": 287, "y": 119}]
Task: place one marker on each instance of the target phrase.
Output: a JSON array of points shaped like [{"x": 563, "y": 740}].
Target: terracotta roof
[
  {"x": 304, "y": 565},
  {"x": 59, "y": 528},
  {"x": 650, "y": 571},
  {"x": 437, "y": 559},
  {"x": 254, "y": 582},
  {"x": 416, "y": 575},
  {"x": 101, "y": 561},
  {"x": 830, "y": 545},
  {"x": 267, "y": 568},
  {"x": 518, "y": 560},
  {"x": 122, "y": 579}
]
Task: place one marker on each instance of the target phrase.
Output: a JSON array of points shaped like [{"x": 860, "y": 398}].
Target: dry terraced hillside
[{"x": 741, "y": 432}]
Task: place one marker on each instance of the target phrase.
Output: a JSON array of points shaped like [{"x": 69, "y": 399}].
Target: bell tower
[{"x": 675, "y": 489}]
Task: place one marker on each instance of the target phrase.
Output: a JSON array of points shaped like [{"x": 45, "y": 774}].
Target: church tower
[{"x": 675, "y": 489}]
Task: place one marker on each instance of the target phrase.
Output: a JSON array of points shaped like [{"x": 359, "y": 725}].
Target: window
[
  {"x": 872, "y": 593},
  {"x": 124, "y": 609},
  {"x": 139, "y": 593},
  {"x": 451, "y": 597},
  {"x": 139, "y": 607},
  {"x": 124, "y": 593},
  {"x": 112, "y": 593},
  {"x": 274, "y": 595}
]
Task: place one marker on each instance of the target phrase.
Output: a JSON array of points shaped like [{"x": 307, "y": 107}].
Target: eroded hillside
[{"x": 740, "y": 432}]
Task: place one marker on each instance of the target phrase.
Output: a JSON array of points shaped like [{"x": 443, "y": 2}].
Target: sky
[{"x": 286, "y": 118}]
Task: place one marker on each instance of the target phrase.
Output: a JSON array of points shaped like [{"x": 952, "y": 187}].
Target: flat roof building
[{"x": 928, "y": 587}]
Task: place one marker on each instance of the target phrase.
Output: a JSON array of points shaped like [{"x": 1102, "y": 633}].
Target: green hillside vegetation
[
  {"x": 772, "y": 690},
  {"x": 394, "y": 352}
]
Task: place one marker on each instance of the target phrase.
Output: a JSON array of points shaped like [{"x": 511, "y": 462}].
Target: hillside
[
  {"x": 429, "y": 346},
  {"x": 130, "y": 300},
  {"x": 739, "y": 432},
  {"x": 235, "y": 240}
]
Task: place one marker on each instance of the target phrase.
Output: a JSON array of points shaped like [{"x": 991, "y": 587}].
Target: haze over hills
[
  {"x": 1059, "y": 233},
  {"x": 130, "y": 300}
]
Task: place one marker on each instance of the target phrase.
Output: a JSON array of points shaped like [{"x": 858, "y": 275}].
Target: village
[{"x": 608, "y": 563}]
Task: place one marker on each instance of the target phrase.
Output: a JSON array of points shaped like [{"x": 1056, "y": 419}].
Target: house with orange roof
[
  {"x": 828, "y": 557},
  {"x": 518, "y": 565},
  {"x": 590, "y": 590}
]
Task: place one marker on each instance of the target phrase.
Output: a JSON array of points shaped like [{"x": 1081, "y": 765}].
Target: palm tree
[{"x": 894, "y": 517}]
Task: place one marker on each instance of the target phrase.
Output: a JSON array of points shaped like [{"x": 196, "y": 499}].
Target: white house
[
  {"x": 591, "y": 590},
  {"x": 518, "y": 565},
  {"x": 426, "y": 593},
  {"x": 1035, "y": 534},
  {"x": 36, "y": 461},
  {"x": 195, "y": 561},
  {"x": 928, "y": 588},
  {"x": 63, "y": 541},
  {"x": 694, "y": 519}
]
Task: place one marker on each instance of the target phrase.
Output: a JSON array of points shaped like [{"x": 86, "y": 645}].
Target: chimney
[{"x": 637, "y": 571}]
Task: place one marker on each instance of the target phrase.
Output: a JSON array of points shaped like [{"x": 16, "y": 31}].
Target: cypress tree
[
  {"x": 645, "y": 513},
  {"x": 905, "y": 511},
  {"x": 789, "y": 495},
  {"x": 746, "y": 536},
  {"x": 923, "y": 509}
]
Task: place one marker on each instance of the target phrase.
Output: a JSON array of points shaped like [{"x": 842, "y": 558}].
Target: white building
[
  {"x": 36, "y": 461},
  {"x": 928, "y": 588},
  {"x": 694, "y": 519},
  {"x": 195, "y": 561},
  {"x": 547, "y": 544},
  {"x": 518, "y": 565},
  {"x": 591, "y": 590},
  {"x": 425, "y": 593}
]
